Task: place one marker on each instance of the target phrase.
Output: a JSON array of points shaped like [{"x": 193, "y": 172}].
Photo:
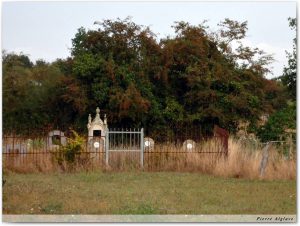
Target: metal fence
[{"x": 117, "y": 148}]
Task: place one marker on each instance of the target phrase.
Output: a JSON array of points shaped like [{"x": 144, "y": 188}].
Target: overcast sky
[{"x": 43, "y": 30}]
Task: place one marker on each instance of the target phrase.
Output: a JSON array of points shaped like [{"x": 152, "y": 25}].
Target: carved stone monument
[
  {"x": 97, "y": 130},
  {"x": 97, "y": 127}
]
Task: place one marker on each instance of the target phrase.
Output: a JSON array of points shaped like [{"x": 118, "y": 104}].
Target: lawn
[{"x": 145, "y": 193}]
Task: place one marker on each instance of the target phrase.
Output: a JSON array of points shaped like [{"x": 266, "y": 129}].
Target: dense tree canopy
[{"x": 193, "y": 78}]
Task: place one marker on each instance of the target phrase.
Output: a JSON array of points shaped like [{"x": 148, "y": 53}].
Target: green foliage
[
  {"x": 86, "y": 64},
  {"x": 173, "y": 112},
  {"x": 27, "y": 91},
  {"x": 193, "y": 78},
  {"x": 277, "y": 123},
  {"x": 70, "y": 153},
  {"x": 285, "y": 118},
  {"x": 289, "y": 77},
  {"x": 35, "y": 144}
]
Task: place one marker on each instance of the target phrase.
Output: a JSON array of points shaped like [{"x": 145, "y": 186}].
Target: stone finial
[
  {"x": 97, "y": 118},
  {"x": 89, "y": 121},
  {"x": 105, "y": 119}
]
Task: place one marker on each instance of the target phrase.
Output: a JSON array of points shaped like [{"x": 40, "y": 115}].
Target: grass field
[{"x": 145, "y": 193}]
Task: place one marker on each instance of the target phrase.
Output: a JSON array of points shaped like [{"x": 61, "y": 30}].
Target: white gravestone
[
  {"x": 189, "y": 145},
  {"x": 148, "y": 143}
]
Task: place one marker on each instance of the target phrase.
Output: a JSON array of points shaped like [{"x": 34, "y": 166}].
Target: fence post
[
  {"x": 142, "y": 147},
  {"x": 264, "y": 160},
  {"x": 290, "y": 143},
  {"x": 106, "y": 146}
]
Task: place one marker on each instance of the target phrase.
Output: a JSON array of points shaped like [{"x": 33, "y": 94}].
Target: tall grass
[
  {"x": 242, "y": 161},
  {"x": 245, "y": 163}
]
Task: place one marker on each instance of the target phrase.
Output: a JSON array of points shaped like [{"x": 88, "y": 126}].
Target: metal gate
[{"x": 124, "y": 141}]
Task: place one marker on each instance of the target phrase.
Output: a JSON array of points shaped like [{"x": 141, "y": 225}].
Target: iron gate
[{"x": 124, "y": 141}]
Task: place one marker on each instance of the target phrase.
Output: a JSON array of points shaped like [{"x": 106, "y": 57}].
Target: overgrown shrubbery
[
  {"x": 69, "y": 155},
  {"x": 274, "y": 129}
]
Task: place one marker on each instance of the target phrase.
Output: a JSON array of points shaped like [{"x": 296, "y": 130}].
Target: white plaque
[
  {"x": 189, "y": 146},
  {"x": 96, "y": 145}
]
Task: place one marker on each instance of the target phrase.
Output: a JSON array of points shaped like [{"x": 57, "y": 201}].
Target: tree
[
  {"x": 207, "y": 80},
  {"x": 115, "y": 66},
  {"x": 283, "y": 119},
  {"x": 243, "y": 56},
  {"x": 289, "y": 77},
  {"x": 194, "y": 79},
  {"x": 22, "y": 93},
  {"x": 26, "y": 92}
]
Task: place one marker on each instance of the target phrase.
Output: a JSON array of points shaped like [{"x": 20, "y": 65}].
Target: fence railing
[{"x": 116, "y": 148}]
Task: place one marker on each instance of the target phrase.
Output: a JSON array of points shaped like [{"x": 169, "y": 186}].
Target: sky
[{"x": 44, "y": 30}]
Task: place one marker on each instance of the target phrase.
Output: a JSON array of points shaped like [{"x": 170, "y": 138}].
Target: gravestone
[
  {"x": 148, "y": 144},
  {"x": 56, "y": 138},
  {"x": 14, "y": 148},
  {"x": 189, "y": 145}
]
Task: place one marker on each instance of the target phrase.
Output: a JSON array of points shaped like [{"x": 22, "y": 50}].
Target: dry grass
[
  {"x": 241, "y": 162},
  {"x": 29, "y": 163},
  {"x": 246, "y": 163}
]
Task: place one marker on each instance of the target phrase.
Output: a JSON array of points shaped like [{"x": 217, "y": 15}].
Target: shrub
[
  {"x": 69, "y": 155},
  {"x": 277, "y": 123}
]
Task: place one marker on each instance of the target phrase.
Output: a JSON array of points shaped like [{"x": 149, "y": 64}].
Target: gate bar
[
  {"x": 142, "y": 147},
  {"x": 106, "y": 146}
]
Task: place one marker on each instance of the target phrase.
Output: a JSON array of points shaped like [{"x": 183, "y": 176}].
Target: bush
[
  {"x": 69, "y": 155},
  {"x": 277, "y": 123}
]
